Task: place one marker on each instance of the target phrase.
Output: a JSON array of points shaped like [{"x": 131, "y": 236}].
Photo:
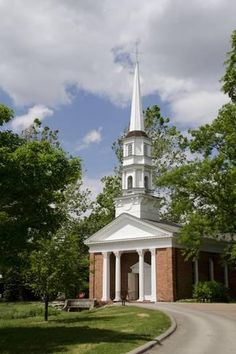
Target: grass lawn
[{"x": 110, "y": 330}]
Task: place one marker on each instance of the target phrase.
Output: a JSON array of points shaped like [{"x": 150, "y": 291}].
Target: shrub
[{"x": 210, "y": 291}]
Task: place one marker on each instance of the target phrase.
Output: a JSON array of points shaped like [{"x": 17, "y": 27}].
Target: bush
[{"x": 210, "y": 291}]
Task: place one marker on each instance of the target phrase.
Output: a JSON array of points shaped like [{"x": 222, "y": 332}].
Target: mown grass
[{"x": 107, "y": 330}]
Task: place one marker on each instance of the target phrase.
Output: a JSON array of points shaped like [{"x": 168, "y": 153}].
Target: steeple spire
[{"x": 136, "y": 118}]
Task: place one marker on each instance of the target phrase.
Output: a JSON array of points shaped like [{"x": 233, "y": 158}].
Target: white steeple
[
  {"x": 137, "y": 198},
  {"x": 136, "y": 118}
]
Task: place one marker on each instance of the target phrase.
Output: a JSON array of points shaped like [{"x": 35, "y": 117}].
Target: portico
[{"x": 145, "y": 283}]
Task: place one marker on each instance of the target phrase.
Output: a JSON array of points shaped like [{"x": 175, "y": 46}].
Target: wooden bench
[{"x": 78, "y": 304}]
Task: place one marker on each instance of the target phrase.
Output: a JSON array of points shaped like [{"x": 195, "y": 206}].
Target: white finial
[{"x": 136, "y": 118}]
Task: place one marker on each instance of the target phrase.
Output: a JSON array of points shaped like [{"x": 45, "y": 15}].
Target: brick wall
[
  {"x": 165, "y": 274},
  {"x": 184, "y": 276},
  {"x": 95, "y": 276}
]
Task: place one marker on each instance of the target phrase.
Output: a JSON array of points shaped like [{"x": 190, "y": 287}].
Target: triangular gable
[
  {"x": 135, "y": 268},
  {"x": 127, "y": 227}
]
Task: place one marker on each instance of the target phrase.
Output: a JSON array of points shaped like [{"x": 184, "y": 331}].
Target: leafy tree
[
  {"x": 229, "y": 79},
  {"x": 56, "y": 266},
  {"x": 35, "y": 173},
  {"x": 40, "y": 194},
  {"x": 203, "y": 192},
  {"x": 168, "y": 144}
]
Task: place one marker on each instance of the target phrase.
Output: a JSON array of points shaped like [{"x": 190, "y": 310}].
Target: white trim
[{"x": 132, "y": 245}]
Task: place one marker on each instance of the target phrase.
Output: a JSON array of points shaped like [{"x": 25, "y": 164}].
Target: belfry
[{"x": 137, "y": 255}]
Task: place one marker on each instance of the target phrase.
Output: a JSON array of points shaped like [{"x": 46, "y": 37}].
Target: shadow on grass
[
  {"x": 83, "y": 319},
  {"x": 54, "y": 339}
]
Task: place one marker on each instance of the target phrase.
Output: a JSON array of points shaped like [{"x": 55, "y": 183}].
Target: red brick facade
[{"x": 175, "y": 276}]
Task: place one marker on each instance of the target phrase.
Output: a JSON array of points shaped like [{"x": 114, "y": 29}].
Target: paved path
[{"x": 202, "y": 329}]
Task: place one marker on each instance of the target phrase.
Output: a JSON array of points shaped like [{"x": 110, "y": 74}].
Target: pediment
[{"x": 127, "y": 227}]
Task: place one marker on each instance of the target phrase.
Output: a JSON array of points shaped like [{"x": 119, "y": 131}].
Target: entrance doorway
[{"x": 133, "y": 282}]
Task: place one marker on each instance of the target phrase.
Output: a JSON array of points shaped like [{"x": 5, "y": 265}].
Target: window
[
  {"x": 146, "y": 182},
  {"x": 130, "y": 182},
  {"x": 129, "y": 149}
]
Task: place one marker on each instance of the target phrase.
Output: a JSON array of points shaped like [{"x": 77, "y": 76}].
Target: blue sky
[{"x": 70, "y": 63}]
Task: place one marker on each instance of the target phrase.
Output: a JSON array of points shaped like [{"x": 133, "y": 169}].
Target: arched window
[
  {"x": 130, "y": 182},
  {"x": 146, "y": 182},
  {"x": 129, "y": 149}
]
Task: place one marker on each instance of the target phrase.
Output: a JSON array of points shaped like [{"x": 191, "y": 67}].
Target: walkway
[{"x": 201, "y": 329}]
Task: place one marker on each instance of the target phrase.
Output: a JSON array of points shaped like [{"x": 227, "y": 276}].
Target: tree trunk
[{"x": 46, "y": 309}]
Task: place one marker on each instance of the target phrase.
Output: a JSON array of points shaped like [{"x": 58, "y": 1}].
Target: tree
[
  {"x": 203, "y": 192},
  {"x": 40, "y": 194},
  {"x": 229, "y": 79},
  {"x": 55, "y": 266},
  {"x": 35, "y": 172}
]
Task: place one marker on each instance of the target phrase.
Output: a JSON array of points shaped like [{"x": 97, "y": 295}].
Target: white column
[
  {"x": 106, "y": 277},
  {"x": 141, "y": 274},
  {"x": 117, "y": 276},
  {"x": 153, "y": 275},
  {"x": 226, "y": 275},
  {"x": 196, "y": 278}
]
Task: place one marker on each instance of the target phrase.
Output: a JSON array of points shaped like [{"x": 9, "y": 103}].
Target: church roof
[
  {"x": 127, "y": 227},
  {"x": 165, "y": 225}
]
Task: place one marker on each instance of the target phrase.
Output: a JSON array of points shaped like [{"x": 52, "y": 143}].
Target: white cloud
[
  {"x": 197, "y": 107},
  {"x": 38, "y": 111},
  {"x": 92, "y": 137},
  {"x": 62, "y": 43}
]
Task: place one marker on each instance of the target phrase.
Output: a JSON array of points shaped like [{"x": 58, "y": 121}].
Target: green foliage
[
  {"x": 56, "y": 266},
  {"x": 41, "y": 197},
  {"x": 229, "y": 79},
  {"x": 203, "y": 192},
  {"x": 168, "y": 144},
  {"x": 35, "y": 173},
  {"x": 6, "y": 114},
  {"x": 210, "y": 291}
]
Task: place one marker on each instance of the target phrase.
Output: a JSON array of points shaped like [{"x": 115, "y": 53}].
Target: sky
[{"x": 71, "y": 64}]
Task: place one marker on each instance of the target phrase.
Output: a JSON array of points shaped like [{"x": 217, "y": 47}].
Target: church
[{"x": 137, "y": 255}]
